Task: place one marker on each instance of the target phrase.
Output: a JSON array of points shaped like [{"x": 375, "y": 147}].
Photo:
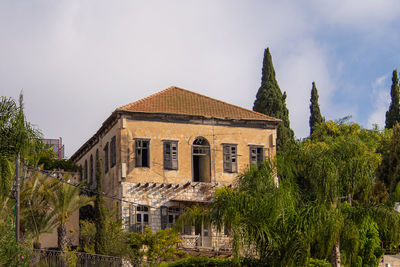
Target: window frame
[
  {"x": 139, "y": 147},
  {"x": 106, "y": 157},
  {"x": 230, "y": 157},
  {"x": 258, "y": 159},
  {"x": 113, "y": 151},
  {"x": 170, "y": 160},
  {"x": 91, "y": 169},
  {"x": 136, "y": 212}
]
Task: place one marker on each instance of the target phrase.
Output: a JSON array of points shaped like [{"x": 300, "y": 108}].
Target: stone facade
[{"x": 163, "y": 162}]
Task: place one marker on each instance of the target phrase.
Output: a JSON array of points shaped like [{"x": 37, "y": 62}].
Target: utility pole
[{"x": 17, "y": 199}]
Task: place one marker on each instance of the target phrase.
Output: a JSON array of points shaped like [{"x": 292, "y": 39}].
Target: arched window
[{"x": 201, "y": 164}]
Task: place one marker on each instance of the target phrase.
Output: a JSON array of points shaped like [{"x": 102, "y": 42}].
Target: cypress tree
[
  {"x": 393, "y": 114},
  {"x": 100, "y": 213},
  {"x": 272, "y": 102},
  {"x": 388, "y": 171},
  {"x": 315, "y": 114}
]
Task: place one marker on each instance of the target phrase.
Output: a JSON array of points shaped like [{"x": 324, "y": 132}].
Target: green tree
[
  {"x": 37, "y": 217},
  {"x": 315, "y": 114},
  {"x": 99, "y": 213},
  {"x": 272, "y": 102},
  {"x": 393, "y": 114},
  {"x": 389, "y": 170}
]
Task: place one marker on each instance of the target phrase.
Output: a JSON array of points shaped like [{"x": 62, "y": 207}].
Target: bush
[
  {"x": 201, "y": 262},
  {"x": 318, "y": 263},
  {"x": 12, "y": 253}
]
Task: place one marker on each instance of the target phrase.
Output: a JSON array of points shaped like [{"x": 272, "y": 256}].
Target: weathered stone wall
[
  {"x": 156, "y": 195},
  {"x": 185, "y": 134}
]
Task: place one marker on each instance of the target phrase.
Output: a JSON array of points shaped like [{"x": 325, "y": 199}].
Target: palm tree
[
  {"x": 65, "y": 199},
  {"x": 37, "y": 215}
]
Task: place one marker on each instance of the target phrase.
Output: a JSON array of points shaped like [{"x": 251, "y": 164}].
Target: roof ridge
[
  {"x": 130, "y": 105},
  {"x": 146, "y": 98},
  {"x": 220, "y": 101}
]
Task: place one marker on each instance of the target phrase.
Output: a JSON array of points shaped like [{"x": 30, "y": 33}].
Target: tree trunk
[
  {"x": 62, "y": 237},
  {"x": 336, "y": 259}
]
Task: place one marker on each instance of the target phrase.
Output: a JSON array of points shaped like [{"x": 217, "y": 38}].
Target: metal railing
[
  {"x": 42, "y": 257},
  {"x": 215, "y": 243}
]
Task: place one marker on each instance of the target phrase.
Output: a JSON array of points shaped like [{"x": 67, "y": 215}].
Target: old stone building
[{"x": 170, "y": 151}]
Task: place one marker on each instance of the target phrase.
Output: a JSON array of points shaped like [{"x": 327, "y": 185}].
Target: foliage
[
  {"x": 50, "y": 162},
  {"x": 87, "y": 232},
  {"x": 70, "y": 256},
  {"x": 99, "y": 213},
  {"x": 17, "y": 137},
  {"x": 65, "y": 199},
  {"x": 393, "y": 114},
  {"x": 161, "y": 245},
  {"x": 389, "y": 169},
  {"x": 12, "y": 253},
  {"x": 37, "y": 217},
  {"x": 272, "y": 102},
  {"x": 318, "y": 263},
  {"x": 200, "y": 261},
  {"x": 315, "y": 113}
]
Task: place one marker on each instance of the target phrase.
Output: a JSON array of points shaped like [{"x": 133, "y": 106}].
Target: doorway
[{"x": 201, "y": 160}]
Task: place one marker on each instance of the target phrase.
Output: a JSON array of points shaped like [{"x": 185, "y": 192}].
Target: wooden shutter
[
  {"x": 164, "y": 216},
  {"x": 167, "y": 155},
  {"x": 132, "y": 217},
  {"x": 138, "y": 154},
  {"x": 253, "y": 155},
  {"x": 227, "y": 158},
  {"x": 174, "y": 155},
  {"x": 234, "y": 159}
]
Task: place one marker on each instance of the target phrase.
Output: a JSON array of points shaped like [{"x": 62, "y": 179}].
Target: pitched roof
[{"x": 175, "y": 100}]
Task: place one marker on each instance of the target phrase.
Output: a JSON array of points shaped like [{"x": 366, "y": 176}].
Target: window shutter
[
  {"x": 174, "y": 156},
  {"x": 132, "y": 217},
  {"x": 227, "y": 159},
  {"x": 138, "y": 154},
  {"x": 167, "y": 155},
  {"x": 164, "y": 217},
  {"x": 253, "y": 155}
]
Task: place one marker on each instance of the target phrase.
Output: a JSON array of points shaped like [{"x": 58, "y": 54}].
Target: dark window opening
[
  {"x": 142, "y": 153},
  {"x": 91, "y": 170},
  {"x": 170, "y": 155},
  {"x": 230, "y": 158},
  {"x": 256, "y": 154},
  {"x": 113, "y": 152},
  {"x": 85, "y": 171},
  {"x": 106, "y": 158},
  {"x": 201, "y": 164}
]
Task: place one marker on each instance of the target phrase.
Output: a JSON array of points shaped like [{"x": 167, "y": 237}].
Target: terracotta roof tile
[{"x": 175, "y": 100}]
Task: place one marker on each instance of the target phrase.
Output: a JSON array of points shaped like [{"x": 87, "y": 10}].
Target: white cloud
[
  {"x": 381, "y": 101},
  {"x": 79, "y": 60}
]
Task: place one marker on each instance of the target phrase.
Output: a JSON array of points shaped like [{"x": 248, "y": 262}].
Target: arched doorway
[{"x": 201, "y": 164}]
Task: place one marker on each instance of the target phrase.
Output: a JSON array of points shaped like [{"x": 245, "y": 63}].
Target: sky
[{"x": 77, "y": 61}]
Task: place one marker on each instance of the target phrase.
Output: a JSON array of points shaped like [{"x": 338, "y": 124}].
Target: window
[
  {"x": 85, "y": 171},
  {"x": 142, "y": 153},
  {"x": 106, "y": 158},
  {"x": 230, "y": 157},
  {"x": 256, "y": 154},
  {"x": 113, "y": 152},
  {"x": 91, "y": 169},
  {"x": 139, "y": 218},
  {"x": 169, "y": 215},
  {"x": 170, "y": 155}
]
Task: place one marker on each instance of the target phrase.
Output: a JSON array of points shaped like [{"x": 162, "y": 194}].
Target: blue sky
[{"x": 77, "y": 61}]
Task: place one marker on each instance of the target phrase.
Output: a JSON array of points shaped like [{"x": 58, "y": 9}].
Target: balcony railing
[{"x": 212, "y": 243}]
